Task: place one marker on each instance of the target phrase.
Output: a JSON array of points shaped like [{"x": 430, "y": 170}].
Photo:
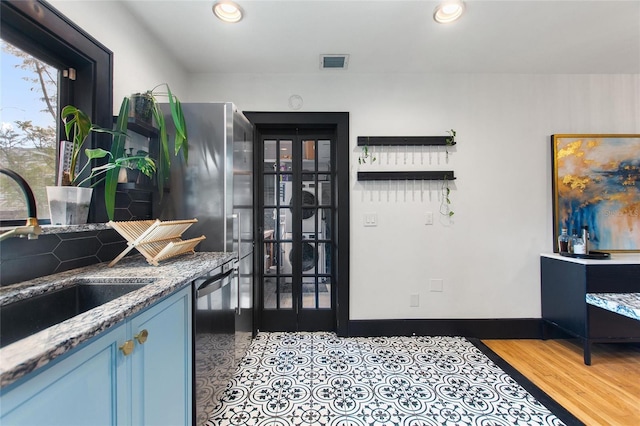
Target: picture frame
[{"x": 596, "y": 182}]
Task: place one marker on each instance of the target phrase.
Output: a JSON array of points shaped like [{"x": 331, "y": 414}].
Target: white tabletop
[{"x": 616, "y": 259}]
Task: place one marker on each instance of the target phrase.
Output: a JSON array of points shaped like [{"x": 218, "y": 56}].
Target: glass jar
[{"x": 577, "y": 244}]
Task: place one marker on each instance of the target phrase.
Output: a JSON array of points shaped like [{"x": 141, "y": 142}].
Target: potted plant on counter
[{"x": 65, "y": 207}]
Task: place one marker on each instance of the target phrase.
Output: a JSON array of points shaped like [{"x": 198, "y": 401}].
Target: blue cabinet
[
  {"x": 97, "y": 384},
  {"x": 161, "y": 363}
]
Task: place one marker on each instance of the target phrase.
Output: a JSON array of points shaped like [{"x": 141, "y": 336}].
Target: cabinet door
[
  {"x": 161, "y": 365},
  {"x": 80, "y": 389}
]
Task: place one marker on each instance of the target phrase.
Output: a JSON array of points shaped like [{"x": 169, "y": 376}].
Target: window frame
[{"x": 39, "y": 29}]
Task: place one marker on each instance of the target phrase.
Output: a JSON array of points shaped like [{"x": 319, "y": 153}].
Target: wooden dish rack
[{"x": 156, "y": 240}]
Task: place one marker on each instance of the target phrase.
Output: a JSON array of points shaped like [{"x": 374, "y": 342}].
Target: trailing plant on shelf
[
  {"x": 366, "y": 154},
  {"x": 449, "y": 141},
  {"x": 77, "y": 127},
  {"x": 452, "y": 137},
  {"x": 445, "y": 201},
  {"x": 148, "y": 102}
]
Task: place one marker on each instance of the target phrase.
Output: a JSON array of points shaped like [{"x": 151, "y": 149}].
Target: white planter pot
[{"x": 69, "y": 205}]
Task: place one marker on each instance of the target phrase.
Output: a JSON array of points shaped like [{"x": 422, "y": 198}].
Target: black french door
[{"x": 298, "y": 236}]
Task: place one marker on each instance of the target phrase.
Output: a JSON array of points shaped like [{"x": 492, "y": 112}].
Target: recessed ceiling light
[
  {"x": 448, "y": 11},
  {"x": 227, "y": 11}
]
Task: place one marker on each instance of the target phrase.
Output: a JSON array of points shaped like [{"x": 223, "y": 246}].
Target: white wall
[
  {"x": 488, "y": 254},
  {"x": 139, "y": 63}
]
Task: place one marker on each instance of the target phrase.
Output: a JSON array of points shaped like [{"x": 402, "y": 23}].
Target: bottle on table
[
  {"x": 585, "y": 238},
  {"x": 577, "y": 244},
  {"x": 563, "y": 241}
]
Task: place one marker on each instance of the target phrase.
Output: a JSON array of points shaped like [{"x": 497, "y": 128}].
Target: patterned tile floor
[{"x": 320, "y": 379}]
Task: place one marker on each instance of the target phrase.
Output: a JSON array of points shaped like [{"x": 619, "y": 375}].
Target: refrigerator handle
[
  {"x": 236, "y": 216},
  {"x": 238, "y": 307}
]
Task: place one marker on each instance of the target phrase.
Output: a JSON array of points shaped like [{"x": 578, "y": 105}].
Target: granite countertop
[
  {"x": 28, "y": 354},
  {"x": 66, "y": 229},
  {"x": 627, "y": 304}
]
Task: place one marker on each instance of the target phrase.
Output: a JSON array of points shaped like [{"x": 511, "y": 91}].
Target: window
[
  {"x": 29, "y": 111},
  {"x": 43, "y": 34}
]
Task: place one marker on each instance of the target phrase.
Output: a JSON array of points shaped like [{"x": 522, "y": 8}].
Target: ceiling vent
[{"x": 334, "y": 62}]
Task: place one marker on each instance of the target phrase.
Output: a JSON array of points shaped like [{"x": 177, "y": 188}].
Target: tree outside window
[{"x": 28, "y": 115}]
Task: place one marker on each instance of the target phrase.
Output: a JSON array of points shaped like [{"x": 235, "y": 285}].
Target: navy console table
[{"x": 565, "y": 283}]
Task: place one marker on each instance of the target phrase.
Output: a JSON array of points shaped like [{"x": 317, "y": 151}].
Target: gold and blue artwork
[{"x": 596, "y": 182}]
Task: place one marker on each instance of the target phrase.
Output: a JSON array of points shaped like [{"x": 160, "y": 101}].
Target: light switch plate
[
  {"x": 370, "y": 219},
  {"x": 429, "y": 218}
]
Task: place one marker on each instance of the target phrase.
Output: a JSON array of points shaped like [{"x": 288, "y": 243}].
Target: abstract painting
[{"x": 596, "y": 182}]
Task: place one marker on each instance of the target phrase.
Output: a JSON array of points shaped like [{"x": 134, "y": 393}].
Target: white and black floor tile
[{"x": 320, "y": 379}]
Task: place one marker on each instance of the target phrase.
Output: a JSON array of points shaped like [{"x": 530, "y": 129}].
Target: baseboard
[{"x": 502, "y": 328}]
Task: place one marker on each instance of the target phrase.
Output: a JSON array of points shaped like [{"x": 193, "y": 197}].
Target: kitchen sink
[{"x": 29, "y": 316}]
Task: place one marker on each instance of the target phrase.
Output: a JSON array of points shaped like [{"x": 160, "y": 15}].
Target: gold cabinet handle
[
  {"x": 127, "y": 347},
  {"x": 142, "y": 336}
]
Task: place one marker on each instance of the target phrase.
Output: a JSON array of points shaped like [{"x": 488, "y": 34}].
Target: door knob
[
  {"x": 142, "y": 336},
  {"x": 127, "y": 347}
]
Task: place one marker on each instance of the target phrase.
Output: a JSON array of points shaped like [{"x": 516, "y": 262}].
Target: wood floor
[{"x": 605, "y": 393}]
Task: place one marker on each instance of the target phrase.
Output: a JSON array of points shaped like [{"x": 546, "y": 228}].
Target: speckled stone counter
[
  {"x": 64, "y": 229},
  {"x": 26, "y": 355},
  {"x": 627, "y": 304}
]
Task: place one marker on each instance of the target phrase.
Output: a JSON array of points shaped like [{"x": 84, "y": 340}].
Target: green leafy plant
[
  {"x": 452, "y": 137},
  {"x": 78, "y": 126},
  {"x": 450, "y": 141},
  {"x": 154, "y": 96},
  {"x": 445, "y": 202},
  {"x": 366, "y": 154}
]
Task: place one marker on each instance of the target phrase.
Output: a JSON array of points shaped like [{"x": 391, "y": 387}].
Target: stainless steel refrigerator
[{"x": 216, "y": 187}]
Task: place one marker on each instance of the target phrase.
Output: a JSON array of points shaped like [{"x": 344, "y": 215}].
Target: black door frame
[{"x": 339, "y": 122}]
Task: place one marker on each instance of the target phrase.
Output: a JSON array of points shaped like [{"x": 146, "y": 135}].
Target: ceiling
[{"x": 397, "y": 36}]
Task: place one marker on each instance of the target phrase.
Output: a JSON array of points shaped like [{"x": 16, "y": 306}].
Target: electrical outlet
[
  {"x": 414, "y": 300},
  {"x": 435, "y": 284}
]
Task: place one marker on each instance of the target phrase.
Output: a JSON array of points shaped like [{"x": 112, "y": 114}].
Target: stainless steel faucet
[{"x": 31, "y": 230}]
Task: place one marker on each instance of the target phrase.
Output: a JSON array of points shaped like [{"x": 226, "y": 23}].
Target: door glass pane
[
  {"x": 309, "y": 293},
  {"x": 324, "y": 155},
  {"x": 28, "y": 110},
  {"x": 324, "y": 190},
  {"x": 286, "y": 155},
  {"x": 285, "y": 257},
  {"x": 324, "y": 258},
  {"x": 309, "y": 257},
  {"x": 324, "y": 293},
  {"x": 284, "y": 190},
  {"x": 324, "y": 224},
  {"x": 270, "y": 254},
  {"x": 286, "y": 299},
  {"x": 270, "y": 157},
  {"x": 270, "y": 188}
]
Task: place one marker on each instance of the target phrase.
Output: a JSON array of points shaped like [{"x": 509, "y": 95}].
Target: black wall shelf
[
  {"x": 140, "y": 127},
  {"x": 408, "y": 175},
  {"x": 403, "y": 140}
]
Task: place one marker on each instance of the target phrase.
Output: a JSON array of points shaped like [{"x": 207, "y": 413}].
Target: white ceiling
[{"x": 398, "y": 36}]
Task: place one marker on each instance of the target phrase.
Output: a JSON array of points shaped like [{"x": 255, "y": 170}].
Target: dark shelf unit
[
  {"x": 564, "y": 284},
  {"x": 134, "y": 199},
  {"x": 404, "y": 140},
  {"x": 408, "y": 175},
  {"x": 142, "y": 128}
]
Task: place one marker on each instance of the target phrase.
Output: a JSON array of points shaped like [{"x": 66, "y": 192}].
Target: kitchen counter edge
[{"x": 29, "y": 354}]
